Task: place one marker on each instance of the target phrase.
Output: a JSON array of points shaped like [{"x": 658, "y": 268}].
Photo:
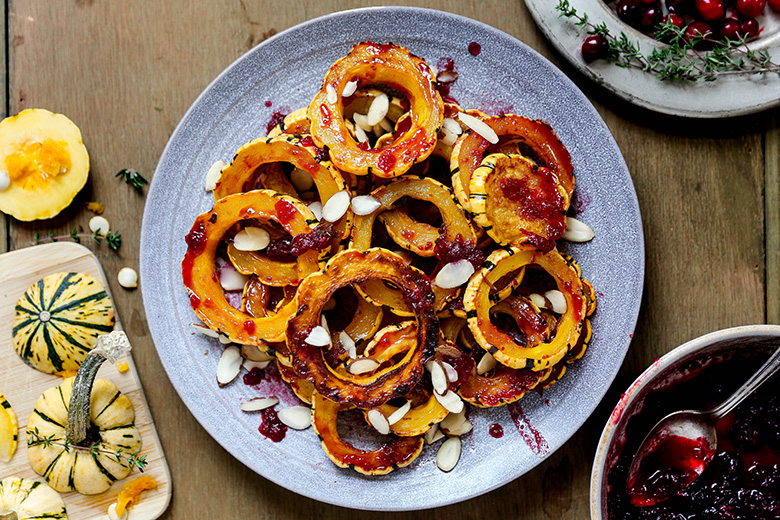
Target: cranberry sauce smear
[
  {"x": 254, "y": 376},
  {"x": 271, "y": 427},
  {"x": 458, "y": 249},
  {"x": 743, "y": 480},
  {"x": 287, "y": 246},
  {"x": 277, "y": 118},
  {"x": 286, "y": 211}
]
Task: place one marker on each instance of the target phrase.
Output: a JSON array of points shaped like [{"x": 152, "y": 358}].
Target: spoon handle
[{"x": 765, "y": 372}]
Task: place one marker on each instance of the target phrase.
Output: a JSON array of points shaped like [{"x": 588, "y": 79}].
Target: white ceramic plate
[
  {"x": 285, "y": 72},
  {"x": 728, "y": 96}
]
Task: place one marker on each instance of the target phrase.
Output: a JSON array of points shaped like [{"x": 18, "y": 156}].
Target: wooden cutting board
[{"x": 22, "y": 385}]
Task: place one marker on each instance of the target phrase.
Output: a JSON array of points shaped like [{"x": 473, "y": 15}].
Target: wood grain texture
[
  {"x": 22, "y": 385},
  {"x": 126, "y": 72}
]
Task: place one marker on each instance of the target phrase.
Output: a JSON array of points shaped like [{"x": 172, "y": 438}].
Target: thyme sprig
[
  {"x": 133, "y": 460},
  {"x": 681, "y": 58},
  {"x": 133, "y": 178},
  {"x": 112, "y": 238}
]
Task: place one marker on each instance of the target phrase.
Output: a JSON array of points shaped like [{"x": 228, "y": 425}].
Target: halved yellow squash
[
  {"x": 45, "y": 161},
  {"x": 9, "y": 430}
]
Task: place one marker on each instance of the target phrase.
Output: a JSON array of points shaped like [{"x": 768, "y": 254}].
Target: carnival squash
[
  {"x": 9, "y": 430},
  {"x": 46, "y": 162},
  {"x": 58, "y": 320},
  {"x": 30, "y": 499}
]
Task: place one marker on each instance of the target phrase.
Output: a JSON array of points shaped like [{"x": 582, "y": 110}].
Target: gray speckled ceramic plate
[{"x": 283, "y": 73}]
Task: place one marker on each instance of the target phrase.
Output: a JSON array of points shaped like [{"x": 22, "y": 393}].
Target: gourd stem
[{"x": 108, "y": 347}]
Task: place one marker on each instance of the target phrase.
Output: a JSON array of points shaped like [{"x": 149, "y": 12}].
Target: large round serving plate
[
  {"x": 728, "y": 96},
  {"x": 283, "y": 73}
]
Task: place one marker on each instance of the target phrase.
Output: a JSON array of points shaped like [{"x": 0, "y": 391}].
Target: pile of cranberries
[{"x": 715, "y": 19}]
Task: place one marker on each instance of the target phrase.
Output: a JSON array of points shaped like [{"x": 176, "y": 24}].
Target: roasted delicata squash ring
[
  {"x": 501, "y": 386},
  {"x": 198, "y": 267},
  {"x": 516, "y": 201},
  {"x": 424, "y": 413},
  {"x": 365, "y": 322},
  {"x": 295, "y": 123},
  {"x": 348, "y": 267},
  {"x": 390, "y": 65},
  {"x": 476, "y": 301},
  {"x": 535, "y": 139},
  {"x": 303, "y": 389},
  {"x": 360, "y": 102},
  {"x": 255, "y": 298},
  {"x": 275, "y": 273},
  {"x": 398, "y": 453}
]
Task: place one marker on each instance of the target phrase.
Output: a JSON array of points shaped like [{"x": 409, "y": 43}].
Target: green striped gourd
[{"x": 26, "y": 499}]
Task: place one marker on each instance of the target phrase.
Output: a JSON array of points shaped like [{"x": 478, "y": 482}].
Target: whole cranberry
[
  {"x": 650, "y": 18},
  {"x": 731, "y": 29},
  {"x": 679, "y": 7},
  {"x": 751, "y": 8},
  {"x": 711, "y": 10},
  {"x": 699, "y": 29},
  {"x": 629, "y": 11},
  {"x": 750, "y": 28},
  {"x": 775, "y": 4},
  {"x": 649, "y": 2},
  {"x": 594, "y": 47},
  {"x": 675, "y": 20}
]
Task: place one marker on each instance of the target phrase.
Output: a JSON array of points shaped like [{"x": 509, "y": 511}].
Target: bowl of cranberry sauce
[{"x": 743, "y": 479}]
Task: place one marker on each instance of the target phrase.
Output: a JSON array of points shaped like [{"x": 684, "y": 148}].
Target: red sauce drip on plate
[
  {"x": 271, "y": 427},
  {"x": 496, "y": 431},
  {"x": 277, "y": 118},
  {"x": 253, "y": 377},
  {"x": 532, "y": 437},
  {"x": 475, "y": 48},
  {"x": 268, "y": 103}
]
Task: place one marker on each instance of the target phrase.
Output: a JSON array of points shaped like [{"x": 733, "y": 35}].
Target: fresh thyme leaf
[
  {"x": 74, "y": 234},
  {"x": 133, "y": 178}
]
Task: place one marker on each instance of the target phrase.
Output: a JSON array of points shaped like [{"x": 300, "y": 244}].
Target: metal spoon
[{"x": 680, "y": 445}]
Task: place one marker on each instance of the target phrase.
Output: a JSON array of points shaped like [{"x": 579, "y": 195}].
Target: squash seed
[
  {"x": 229, "y": 365},
  {"x": 448, "y": 455},
  {"x": 378, "y": 421},
  {"x": 258, "y": 403},
  {"x": 296, "y": 417}
]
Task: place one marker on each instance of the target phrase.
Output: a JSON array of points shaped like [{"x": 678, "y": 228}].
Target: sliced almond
[
  {"x": 385, "y": 125},
  {"x": 224, "y": 339},
  {"x": 538, "y": 300},
  {"x": 251, "y": 239},
  {"x": 557, "y": 301},
  {"x": 456, "y": 424},
  {"x": 213, "y": 175},
  {"x": 230, "y": 279},
  {"x": 365, "y": 204},
  {"x": 360, "y": 135},
  {"x": 433, "y": 434},
  {"x": 362, "y": 121},
  {"x": 479, "y": 127},
  {"x": 448, "y": 349},
  {"x": 446, "y": 76},
  {"x": 448, "y": 455},
  {"x": 258, "y": 403},
  {"x": 302, "y": 180},
  {"x": 205, "y": 330},
  {"x": 253, "y": 353},
  {"x": 260, "y": 365},
  {"x": 331, "y": 93},
  {"x": 229, "y": 365},
  {"x": 486, "y": 364},
  {"x": 349, "y": 88},
  {"x": 336, "y": 206},
  {"x": 577, "y": 231},
  {"x": 296, "y": 417},
  {"x": 438, "y": 378},
  {"x": 454, "y": 274},
  {"x": 362, "y": 365},
  {"x": 348, "y": 343},
  {"x": 316, "y": 208},
  {"x": 324, "y": 323},
  {"x": 449, "y": 371},
  {"x": 318, "y": 337},
  {"x": 378, "y": 109},
  {"x": 451, "y": 126},
  {"x": 399, "y": 414},
  {"x": 450, "y": 401},
  {"x": 448, "y": 137},
  {"x": 378, "y": 420}
]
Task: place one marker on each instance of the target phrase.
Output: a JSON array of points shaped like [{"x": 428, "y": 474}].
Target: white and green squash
[
  {"x": 58, "y": 320},
  {"x": 25, "y": 499},
  {"x": 82, "y": 434}
]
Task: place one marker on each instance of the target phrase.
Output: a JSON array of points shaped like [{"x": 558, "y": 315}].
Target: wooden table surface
[{"x": 126, "y": 72}]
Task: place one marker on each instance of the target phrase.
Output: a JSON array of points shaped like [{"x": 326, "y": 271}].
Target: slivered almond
[
  {"x": 479, "y": 127},
  {"x": 349, "y": 88},
  {"x": 224, "y": 339},
  {"x": 450, "y": 401},
  {"x": 205, "y": 330},
  {"x": 251, "y": 239},
  {"x": 324, "y": 323},
  {"x": 230, "y": 279},
  {"x": 538, "y": 300},
  {"x": 331, "y": 93},
  {"x": 362, "y": 365},
  {"x": 213, "y": 175},
  {"x": 348, "y": 343},
  {"x": 378, "y": 420},
  {"x": 336, "y": 206},
  {"x": 316, "y": 208},
  {"x": 253, "y": 353},
  {"x": 456, "y": 424},
  {"x": 446, "y": 76},
  {"x": 451, "y": 126},
  {"x": 448, "y": 138},
  {"x": 249, "y": 365},
  {"x": 362, "y": 121},
  {"x": 296, "y": 417},
  {"x": 454, "y": 274},
  {"x": 577, "y": 231},
  {"x": 229, "y": 365},
  {"x": 448, "y": 349},
  {"x": 386, "y": 125},
  {"x": 318, "y": 337},
  {"x": 365, "y": 204},
  {"x": 360, "y": 135},
  {"x": 486, "y": 364},
  {"x": 258, "y": 403},
  {"x": 438, "y": 378},
  {"x": 378, "y": 109},
  {"x": 557, "y": 301},
  {"x": 433, "y": 434},
  {"x": 399, "y": 414},
  {"x": 449, "y": 454}
]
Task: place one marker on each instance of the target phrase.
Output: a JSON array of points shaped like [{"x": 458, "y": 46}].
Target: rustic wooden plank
[
  {"x": 772, "y": 202},
  {"x": 4, "y": 221}
]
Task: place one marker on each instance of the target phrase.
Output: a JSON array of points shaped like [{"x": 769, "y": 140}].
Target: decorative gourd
[
  {"x": 27, "y": 499},
  {"x": 9, "y": 430},
  {"x": 88, "y": 426},
  {"x": 58, "y": 320},
  {"x": 46, "y": 161}
]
